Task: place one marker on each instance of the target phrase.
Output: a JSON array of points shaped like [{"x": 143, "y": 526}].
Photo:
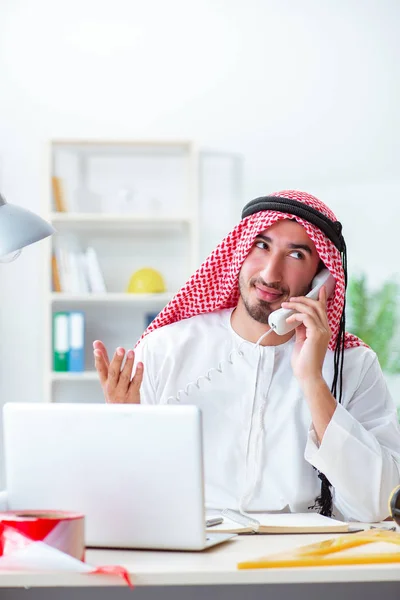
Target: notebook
[{"x": 235, "y": 522}]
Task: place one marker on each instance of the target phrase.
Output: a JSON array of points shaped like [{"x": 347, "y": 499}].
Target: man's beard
[{"x": 259, "y": 311}]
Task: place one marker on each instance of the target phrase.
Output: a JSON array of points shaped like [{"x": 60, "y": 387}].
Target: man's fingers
[
  {"x": 101, "y": 366},
  {"x": 134, "y": 388},
  {"x": 114, "y": 368},
  {"x": 126, "y": 372},
  {"x": 307, "y": 306},
  {"x": 98, "y": 345},
  {"x": 310, "y": 322},
  {"x": 322, "y": 296},
  {"x": 306, "y": 309},
  {"x": 307, "y": 320}
]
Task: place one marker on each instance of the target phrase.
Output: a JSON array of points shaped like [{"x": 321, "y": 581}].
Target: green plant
[{"x": 374, "y": 317}]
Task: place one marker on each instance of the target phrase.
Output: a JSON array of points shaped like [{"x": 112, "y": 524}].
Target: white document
[{"x": 278, "y": 523}]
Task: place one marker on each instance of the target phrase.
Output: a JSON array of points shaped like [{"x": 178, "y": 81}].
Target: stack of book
[{"x": 76, "y": 271}]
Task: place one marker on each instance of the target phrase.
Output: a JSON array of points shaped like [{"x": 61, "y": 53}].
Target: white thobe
[{"x": 260, "y": 448}]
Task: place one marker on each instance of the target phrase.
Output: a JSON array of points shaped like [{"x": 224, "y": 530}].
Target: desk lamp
[{"x": 19, "y": 228}]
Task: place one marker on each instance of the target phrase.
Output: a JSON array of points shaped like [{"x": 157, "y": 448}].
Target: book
[
  {"x": 78, "y": 281},
  {"x": 76, "y": 335},
  {"x": 55, "y": 274},
  {"x": 83, "y": 276},
  {"x": 58, "y": 194},
  {"x": 60, "y": 341},
  {"x": 94, "y": 272},
  {"x": 235, "y": 522},
  {"x": 62, "y": 265}
]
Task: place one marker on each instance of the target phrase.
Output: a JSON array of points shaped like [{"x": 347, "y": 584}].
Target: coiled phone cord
[{"x": 219, "y": 369}]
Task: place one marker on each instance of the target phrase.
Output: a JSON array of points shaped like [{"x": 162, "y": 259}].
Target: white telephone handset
[{"x": 277, "y": 319}]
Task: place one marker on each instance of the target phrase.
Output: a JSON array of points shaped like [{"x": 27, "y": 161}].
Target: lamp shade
[{"x": 20, "y": 227}]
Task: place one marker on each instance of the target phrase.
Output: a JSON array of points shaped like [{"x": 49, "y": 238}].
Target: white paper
[
  {"x": 295, "y": 520},
  {"x": 290, "y": 520}
]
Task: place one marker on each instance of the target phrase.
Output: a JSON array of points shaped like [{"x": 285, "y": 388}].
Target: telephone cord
[{"x": 219, "y": 369}]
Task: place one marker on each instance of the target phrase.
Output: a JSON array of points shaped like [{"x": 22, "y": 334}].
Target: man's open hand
[{"x": 118, "y": 387}]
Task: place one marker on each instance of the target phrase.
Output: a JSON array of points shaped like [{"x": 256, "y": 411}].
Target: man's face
[{"x": 281, "y": 263}]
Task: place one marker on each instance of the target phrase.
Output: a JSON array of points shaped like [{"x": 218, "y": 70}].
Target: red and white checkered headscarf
[{"x": 214, "y": 286}]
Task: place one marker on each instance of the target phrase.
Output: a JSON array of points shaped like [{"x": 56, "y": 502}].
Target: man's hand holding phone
[
  {"x": 118, "y": 385},
  {"x": 313, "y": 335}
]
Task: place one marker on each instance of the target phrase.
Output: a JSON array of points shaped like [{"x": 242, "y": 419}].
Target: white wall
[{"x": 307, "y": 91}]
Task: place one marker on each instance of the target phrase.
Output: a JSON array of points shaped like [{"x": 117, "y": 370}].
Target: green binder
[{"x": 60, "y": 341}]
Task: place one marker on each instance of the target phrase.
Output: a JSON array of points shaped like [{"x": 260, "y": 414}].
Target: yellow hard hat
[{"x": 146, "y": 281}]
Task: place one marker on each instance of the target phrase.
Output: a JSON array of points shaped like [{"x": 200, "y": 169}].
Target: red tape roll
[
  {"x": 61, "y": 530},
  {"x": 23, "y": 532}
]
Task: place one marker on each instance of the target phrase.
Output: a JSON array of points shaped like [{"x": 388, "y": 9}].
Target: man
[{"x": 285, "y": 418}]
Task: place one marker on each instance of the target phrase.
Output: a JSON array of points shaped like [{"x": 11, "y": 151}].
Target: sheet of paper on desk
[
  {"x": 284, "y": 523},
  {"x": 366, "y": 547}
]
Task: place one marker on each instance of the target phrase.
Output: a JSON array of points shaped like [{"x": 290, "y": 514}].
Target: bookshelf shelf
[
  {"x": 74, "y": 377},
  {"x": 106, "y": 219},
  {"x": 111, "y": 298},
  {"x": 109, "y": 218},
  {"x": 124, "y": 147}
]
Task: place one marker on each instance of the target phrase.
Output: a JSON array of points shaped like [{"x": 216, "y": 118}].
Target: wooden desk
[{"x": 212, "y": 574}]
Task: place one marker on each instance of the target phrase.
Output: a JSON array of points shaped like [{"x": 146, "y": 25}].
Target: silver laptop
[{"x": 135, "y": 472}]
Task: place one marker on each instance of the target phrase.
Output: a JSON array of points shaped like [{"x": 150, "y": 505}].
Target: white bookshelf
[{"x": 148, "y": 214}]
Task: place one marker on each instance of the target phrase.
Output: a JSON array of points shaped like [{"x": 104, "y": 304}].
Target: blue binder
[{"x": 76, "y": 356}]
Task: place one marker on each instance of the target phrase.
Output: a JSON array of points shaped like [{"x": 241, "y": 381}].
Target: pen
[{"x": 214, "y": 521}]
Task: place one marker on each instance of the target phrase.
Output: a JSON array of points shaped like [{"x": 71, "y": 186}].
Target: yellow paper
[{"x": 373, "y": 546}]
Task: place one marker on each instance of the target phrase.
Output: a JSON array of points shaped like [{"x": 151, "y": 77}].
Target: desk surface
[{"x": 216, "y": 566}]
